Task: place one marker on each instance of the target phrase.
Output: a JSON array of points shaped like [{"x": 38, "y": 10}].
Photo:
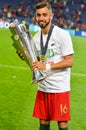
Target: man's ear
[{"x": 52, "y": 14}]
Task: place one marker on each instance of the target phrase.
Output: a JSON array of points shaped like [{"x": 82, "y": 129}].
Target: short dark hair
[{"x": 43, "y": 4}]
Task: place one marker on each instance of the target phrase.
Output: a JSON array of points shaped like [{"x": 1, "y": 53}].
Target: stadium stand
[{"x": 67, "y": 13}]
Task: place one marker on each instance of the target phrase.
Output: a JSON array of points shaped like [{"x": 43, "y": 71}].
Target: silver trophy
[{"x": 23, "y": 41}]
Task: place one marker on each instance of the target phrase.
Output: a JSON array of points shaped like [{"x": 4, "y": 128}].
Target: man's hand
[{"x": 38, "y": 65}]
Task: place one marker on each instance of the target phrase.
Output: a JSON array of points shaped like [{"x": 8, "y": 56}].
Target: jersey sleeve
[{"x": 66, "y": 44}]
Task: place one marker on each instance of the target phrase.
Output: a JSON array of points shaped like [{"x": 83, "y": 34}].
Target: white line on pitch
[
  {"x": 78, "y": 74},
  {"x": 27, "y": 68},
  {"x": 14, "y": 67}
]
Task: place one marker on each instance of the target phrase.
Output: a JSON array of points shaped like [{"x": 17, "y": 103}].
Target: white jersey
[{"x": 59, "y": 45}]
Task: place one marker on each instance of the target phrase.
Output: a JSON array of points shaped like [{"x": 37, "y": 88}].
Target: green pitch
[{"x": 17, "y": 94}]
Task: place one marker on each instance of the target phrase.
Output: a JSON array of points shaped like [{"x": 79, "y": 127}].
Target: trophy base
[
  {"x": 38, "y": 76},
  {"x": 37, "y": 81}
]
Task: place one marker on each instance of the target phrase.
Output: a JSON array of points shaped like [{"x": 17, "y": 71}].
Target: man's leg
[
  {"x": 63, "y": 125},
  {"x": 44, "y": 125}
]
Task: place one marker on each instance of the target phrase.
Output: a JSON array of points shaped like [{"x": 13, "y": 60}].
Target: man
[{"x": 54, "y": 49}]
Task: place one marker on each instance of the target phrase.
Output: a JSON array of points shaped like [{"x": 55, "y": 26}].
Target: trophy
[{"x": 23, "y": 42}]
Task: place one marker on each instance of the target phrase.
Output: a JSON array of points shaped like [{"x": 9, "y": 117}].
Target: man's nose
[{"x": 41, "y": 17}]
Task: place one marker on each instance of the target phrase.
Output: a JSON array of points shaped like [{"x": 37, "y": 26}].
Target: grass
[
  {"x": 17, "y": 94},
  {"x": 78, "y": 85}
]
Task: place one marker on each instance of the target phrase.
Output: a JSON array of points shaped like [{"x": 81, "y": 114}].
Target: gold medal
[{"x": 42, "y": 58}]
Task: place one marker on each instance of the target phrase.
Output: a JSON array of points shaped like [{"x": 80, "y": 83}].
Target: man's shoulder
[{"x": 59, "y": 29}]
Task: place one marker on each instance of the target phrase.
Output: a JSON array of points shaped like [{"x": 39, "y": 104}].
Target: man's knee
[
  {"x": 63, "y": 124},
  {"x": 46, "y": 122}
]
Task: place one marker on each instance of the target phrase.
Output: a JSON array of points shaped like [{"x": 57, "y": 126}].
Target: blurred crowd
[{"x": 67, "y": 13}]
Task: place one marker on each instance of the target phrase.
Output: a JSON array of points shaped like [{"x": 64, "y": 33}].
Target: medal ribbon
[{"x": 44, "y": 48}]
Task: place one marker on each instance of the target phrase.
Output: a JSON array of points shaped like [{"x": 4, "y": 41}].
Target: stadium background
[{"x": 17, "y": 94}]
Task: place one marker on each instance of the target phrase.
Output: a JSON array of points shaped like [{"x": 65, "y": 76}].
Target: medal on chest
[
  {"x": 43, "y": 58},
  {"x": 44, "y": 48}
]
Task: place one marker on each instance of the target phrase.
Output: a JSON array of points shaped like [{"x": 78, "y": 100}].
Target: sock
[
  {"x": 44, "y": 127},
  {"x": 63, "y": 128}
]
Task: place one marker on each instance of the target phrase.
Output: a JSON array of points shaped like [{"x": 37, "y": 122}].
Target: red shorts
[{"x": 52, "y": 106}]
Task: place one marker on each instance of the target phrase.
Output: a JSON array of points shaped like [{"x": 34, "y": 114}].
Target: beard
[{"x": 43, "y": 24}]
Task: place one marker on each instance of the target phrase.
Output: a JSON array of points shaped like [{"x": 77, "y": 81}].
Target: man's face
[{"x": 43, "y": 16}]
